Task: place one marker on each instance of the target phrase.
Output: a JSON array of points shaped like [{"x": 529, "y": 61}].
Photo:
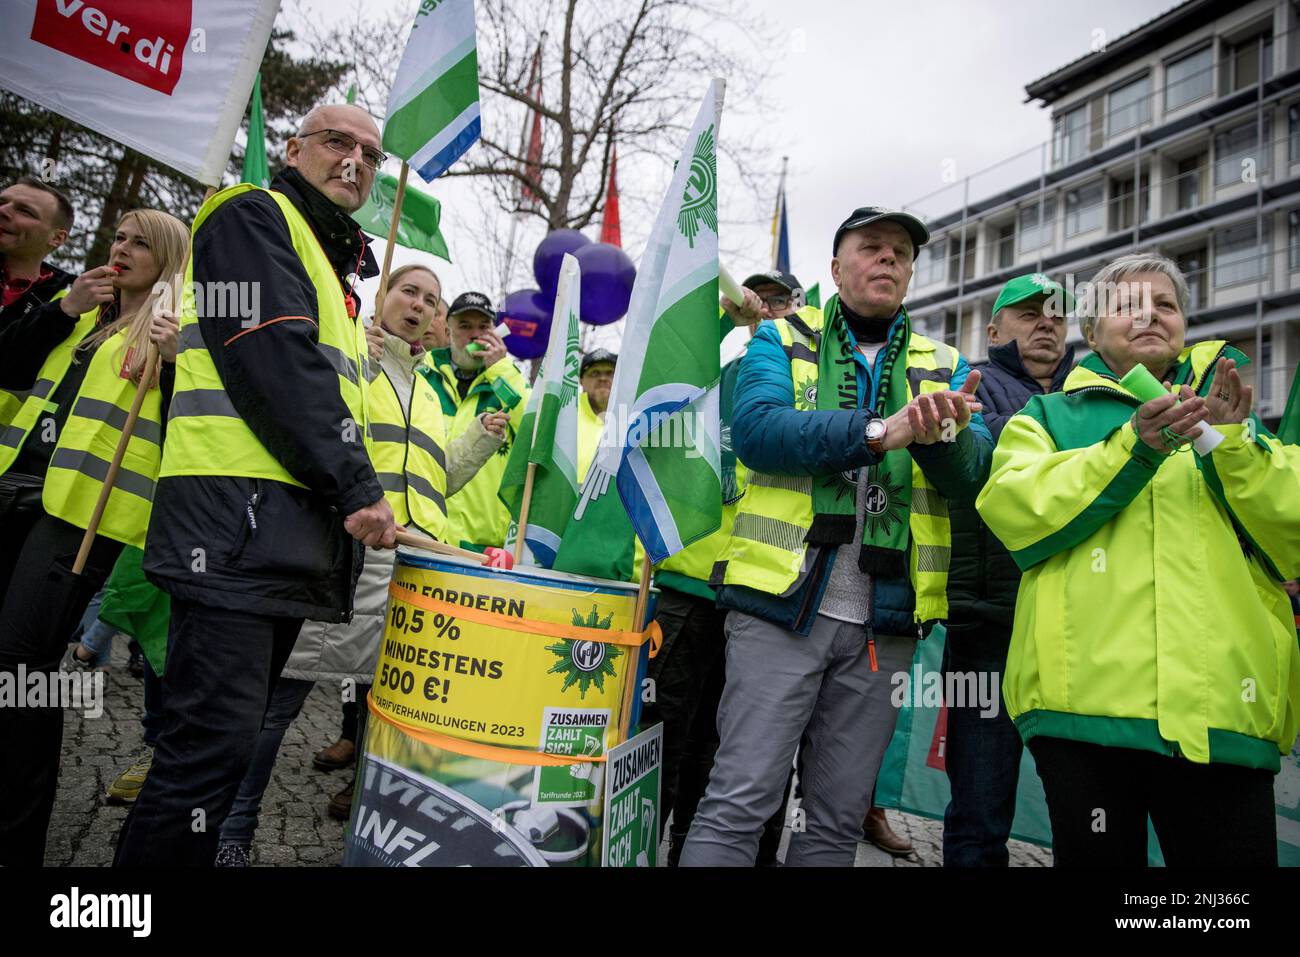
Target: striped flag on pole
[
  {"x": 661, "y": 443},
  {"x": 548, "y": 435},
  {"x": 780, "y": 229},
  {"x": 433, "y": 109}
]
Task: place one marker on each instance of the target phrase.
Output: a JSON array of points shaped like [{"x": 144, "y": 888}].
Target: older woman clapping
[{"x": 1153, "y": 666}]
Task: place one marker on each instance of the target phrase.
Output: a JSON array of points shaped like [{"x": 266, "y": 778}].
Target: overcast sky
[{"x": 875, "y": 103}]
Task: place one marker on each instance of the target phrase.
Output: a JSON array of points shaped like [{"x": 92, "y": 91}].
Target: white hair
[{"x": 1100, "y": 293}]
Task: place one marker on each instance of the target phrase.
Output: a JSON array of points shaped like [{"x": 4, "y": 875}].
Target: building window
[
  {"x": 1237, "y": 155},
  {"x": 1122, "y": 202},
  {"x": 1070, "y": 136},
  {"x": 1129, "y": 106},
  {"x": 1237, "y": 259},
  {"x": 1193, "y": 266},
  {"x": 1189, "y": 78},
  {"x": 1005, "y": 250},
  {"x": 1243, "y": 61},
  {"x": 1265, "y": 374},
  {"x": 1293, "y": 130},
  {"x": 1293, "y": 239},
  {"x": 930, "y": 262},
  {"x": 1083, "y": 208},
  {"x": 955, "y": 271},
  {"x": 1189, "y": 181},
  {"x": 1036, "y": 231}
]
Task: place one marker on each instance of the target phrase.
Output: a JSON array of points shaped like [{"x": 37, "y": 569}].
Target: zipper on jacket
[
  {"x": 814, "y": 579},
  {"x": 250, "y": 507}
]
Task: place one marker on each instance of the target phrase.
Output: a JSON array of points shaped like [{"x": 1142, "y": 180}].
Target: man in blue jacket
[
  {"x": 1027, "y": 357},
  {"x": 856, "y": 434}
]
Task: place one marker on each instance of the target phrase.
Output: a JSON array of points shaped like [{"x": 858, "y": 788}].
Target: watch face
[{"x": 876, "y": 429}]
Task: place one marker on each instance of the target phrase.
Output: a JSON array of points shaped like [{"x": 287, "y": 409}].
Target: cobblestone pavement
[{"x": 294, "y": 827}]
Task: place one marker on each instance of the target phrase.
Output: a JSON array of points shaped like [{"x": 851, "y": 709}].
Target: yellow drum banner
[{"x": 482, "y": 654}]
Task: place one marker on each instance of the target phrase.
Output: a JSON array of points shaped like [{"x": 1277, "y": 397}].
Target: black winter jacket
[
  {"x": 251, "y": 544},
  {"x": 39, "y": 294},
  {"x": 983, "y": 579}
]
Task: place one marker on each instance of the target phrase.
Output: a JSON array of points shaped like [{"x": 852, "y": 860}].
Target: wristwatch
[{"x": 876, "y": 430}]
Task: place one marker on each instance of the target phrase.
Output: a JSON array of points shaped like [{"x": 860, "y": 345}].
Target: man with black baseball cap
[
  {"x": 474, "y": 375},
  {"x": 855, "y": 437},
  {"x": 1027, "y": 357}
]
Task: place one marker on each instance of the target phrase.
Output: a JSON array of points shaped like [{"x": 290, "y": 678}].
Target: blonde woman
[{"x": 80, "y": 360}]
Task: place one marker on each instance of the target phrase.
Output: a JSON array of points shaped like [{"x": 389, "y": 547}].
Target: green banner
[{"x": 631, "y": 837}]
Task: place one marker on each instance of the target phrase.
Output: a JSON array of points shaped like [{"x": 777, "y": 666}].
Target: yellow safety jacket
[
  {"x": 206, "y": 435},
  {"x": 767, "y": 547},
  {"x": 408, "y": 453},
  {"x": 89, "y": 437},
  {"x": 476, "y": 517},
  {"x": 11, "y": 400}
]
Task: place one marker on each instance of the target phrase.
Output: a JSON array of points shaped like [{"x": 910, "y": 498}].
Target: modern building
[{"x": 1181, "y": 136}]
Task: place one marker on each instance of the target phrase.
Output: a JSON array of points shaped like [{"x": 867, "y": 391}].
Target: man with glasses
[{"x": 266, "y": 493}]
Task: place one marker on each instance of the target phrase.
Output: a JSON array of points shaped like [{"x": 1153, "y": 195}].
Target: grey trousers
[{"x": 779, "y": 686}]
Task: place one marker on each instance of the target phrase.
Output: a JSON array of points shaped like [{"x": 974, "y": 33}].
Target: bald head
[{"x": 330, "y": 152}]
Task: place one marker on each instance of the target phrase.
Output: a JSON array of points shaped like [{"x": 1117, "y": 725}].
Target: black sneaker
[
  {"x": 135, "y": 664},
  {"x": 233, "y": 855}
]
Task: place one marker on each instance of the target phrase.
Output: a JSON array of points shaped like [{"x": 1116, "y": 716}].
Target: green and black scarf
[{"x": 889, "y": 492}]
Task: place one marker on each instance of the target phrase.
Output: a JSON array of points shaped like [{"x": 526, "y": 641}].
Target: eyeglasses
[
  {"x": 341, "y": 142},
  {"x": 775, "y": 302}
]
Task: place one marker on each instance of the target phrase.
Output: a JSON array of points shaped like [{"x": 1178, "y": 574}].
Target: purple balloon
[
  {"x": 607, "y": 277},
  {"x": 550, "y": 255},
  {"x": 528, "y": 314}
]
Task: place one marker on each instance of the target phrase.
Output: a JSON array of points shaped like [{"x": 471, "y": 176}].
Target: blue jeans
[
  {"x": 95, "y": 635},
  {"x": 982, "y": 756},
  {"x": 286, "y": 702}
]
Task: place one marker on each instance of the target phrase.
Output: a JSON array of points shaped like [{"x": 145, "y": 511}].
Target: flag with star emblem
[
  {"x": 660, "y": 447},
  {"x": 548, "y": 434}
]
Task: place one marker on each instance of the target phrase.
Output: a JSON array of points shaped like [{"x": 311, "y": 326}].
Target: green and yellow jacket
[
  {"x": 1151, "y": 613},
  {"x": 476, "y": 517}
]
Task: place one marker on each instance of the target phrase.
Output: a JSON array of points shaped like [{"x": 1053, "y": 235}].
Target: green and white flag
[
  {"x": 660, "y": 447},
  {"x": 418, "y": 227},
  {"x": 1288, "y": 428},
  {"x": 433, "y": 110},
  {"x": 548, "y": 433},
  {"x": 255, "y": 169}
]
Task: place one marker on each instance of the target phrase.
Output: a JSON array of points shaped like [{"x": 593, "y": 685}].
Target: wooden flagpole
[
  {"x": 392, "y": 241},
  {"x": 523, "y": 509},
  {"x": 638, "y": 622},
  {"x": 92, "y": 527}
]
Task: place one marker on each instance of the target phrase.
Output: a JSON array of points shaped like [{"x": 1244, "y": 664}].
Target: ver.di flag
[
  {"x": 548, "y": 434},
  {"x": 170, "y": 80},
  {"x": 433, "y": 111},
  {"x": 661, "y": 445}
]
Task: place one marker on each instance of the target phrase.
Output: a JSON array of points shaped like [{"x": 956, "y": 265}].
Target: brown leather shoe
[
  {"x": 338, "y": 755},
  {"x": 341, "y": 804},
  {"x": 876, "y": 830}
]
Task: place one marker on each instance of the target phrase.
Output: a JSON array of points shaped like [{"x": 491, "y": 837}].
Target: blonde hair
[{"x": 169, "y": 241}]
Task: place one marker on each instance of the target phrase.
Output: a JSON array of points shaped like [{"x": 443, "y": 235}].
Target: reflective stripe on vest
[
  {"x": 35, "y": 402},
  {"x": 88, "y": 442},
  {"x": 407, "y": 454},
  {"x": 767, "y": 546},
  {"x": 12, "y": 400},
  {"x": 206, "y": 434}
]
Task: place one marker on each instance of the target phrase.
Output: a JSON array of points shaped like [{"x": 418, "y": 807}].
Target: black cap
[
  {"x": 785, "y": 280},
  {"x": 472, "y": 302},
  {"x": 597, "y": 356},
  {"x": 866, "y": 215}
]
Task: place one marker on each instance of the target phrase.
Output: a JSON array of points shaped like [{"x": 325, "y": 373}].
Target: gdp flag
[
  {"x": 548, "y": 434},
  {"x": 660, "y": 444},
  {"x": 433, "y": 113}
]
